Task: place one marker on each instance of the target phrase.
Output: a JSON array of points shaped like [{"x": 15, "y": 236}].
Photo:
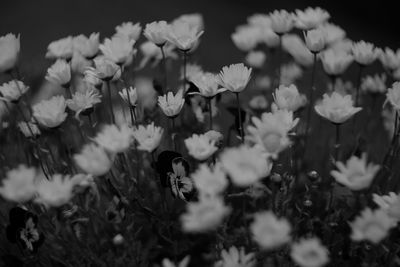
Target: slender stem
[
  {"x": 164, "y": 60},
  {"x": 240, "y": 118},
  {"x": 310, "y": 99},
  {"x": 210, "y": 110},
  {"x": 360, "y": 70},
  {"x": 184, "y": 71},
  {"x": 110, "y": 102},
  {"x": 279, "y": 60},
  {"x": 337, "y": 141},
  {"x": 173, "y": 133}
]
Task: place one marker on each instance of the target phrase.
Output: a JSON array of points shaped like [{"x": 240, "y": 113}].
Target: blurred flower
[
  {"x": 183, "y": 263},
  {"x": 59, "y": 73},
  {"x": 115, "y": 139},
  {"x": 50, "y": 113},
  {"x": 195, "y": 20},
  {"x": 333, "y": 33},
  {"x": 61, "y": 48},
  {"x": 371, "y": 225},
  {"x": 335, "y": 62},
  {"x": 394, "y": 209},
  {"x": 245, "y": 165},
  {"x": 388, "y": 116},
  {"x": 171, "y": 104},
  {"x": 311, "y": 18},
  {"x": 54, "y": 192},
  {"x": 269, "y": 231},
  {"x": 9, "y": 52},
  {"x": 210, "y": 181},
  {"x": 356, "y": 174},
  {"x": 119, "y": 49},
  {"x": 309, "y": 253},
  {"x": 205, "y": 215},
  {"x": 288, "y": 97},
  {"x": 87, "y": 47},
  {"x": 152, "y": 53},
  {"x": 384, "y": 202},
  {"x": 156, "y": 32},
  {"x": 290, "y": 73},
  {"x": 315, "y": 40},
  {"x": 208, "y": 84},
  {"x": 29, "y": 128},
  {"x": 83, "y": 101},
  {"x": 183, "y": 36},
  {"x": 105, "y": 70},
  {"x": 236, "y": 258},
  {"x": 389, "y": 58},
  {"x": 12, "y": 90},
  {"x": 374, "y": 84},
  {"x": 364, "y": 53},
  {"x": 94, "y": 160},
  {"x": 148, "y": 137},
  {"x": 281, "y": 21},
  {"x": 129, "y": 30},
  {"x": 295, "y": 46},
  {"x": 200, "y": 146},
  {"x": 258, "y": 102},
  {"x": 246, "y": 38},
  {"x": 118, "y": 239},
  {"x": 132, "y": 98},
  {"x": 181, "y": 184},
  {"x": 396, "y": 74},
  {"x": 192, "y": 70},
  {"x": 79, "y": 63},
  {"x": 392, "y": 96},
  {"x": 19, "y": 185},
  {"x": 235, "y": 77},
  {"x": 255, "y": 59}
]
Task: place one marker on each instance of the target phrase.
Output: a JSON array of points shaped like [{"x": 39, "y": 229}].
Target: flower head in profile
[
  {"x": 384, "y": 202},
  {"x": 94, "y": 160},
  {"x": 311, "y": 18},
  {"x": 364, "y": 53},
  {"x": 390, "y": 59},
  {"x": 195, "y": 20},
  {"x": 129, "y": 96},
  {"x": 309, "y": 253},
  {"x": 62, "y": 48},
  {"x": 50, "y": 113},
  {"x": 315, "y": 40},
  {"x": 9, "y": 52},
  {"x": 12, "y": 91},
  {"x": 204, "y": 215},
  {"x": 115, "y": 139},
  {"x": 129, "y": 30},
  {"x": 245, "y": 165},
  {"x": 29, "y": 129},
  {"x": 200, "y": 146},
  {"x": 356, "y": 174},
  {"x": 183, "y": 263},
  {"x": 246, "y": 37},
  {"x": 235, "y": 77},
  {"x": 374, "y": 84},
  {"x": 333, "y": 33},
  {"x": 183, "y": 35},
  {"x": 215, "y": 136},
  {"x": 392, "y": 95},
  {"x": 156, "y": 32},
  {"x": 19, "y": 184},
  {"x": 119, "y": 49},
  {"x": 83, "y": 101},
  {"x": 296, "y": 47},
  {"x": 87, "y": 47},
  {"x": 336, "y": 108},
  {"x": 335, "y": 62},
  {"x": 210, "y": 181},
  {"x": 105, "y": 69},
  {"x": 281, "y": 21},
  {"x": 371, "y": 225},
  {"x": 288, "y": 97},
  {"x": 208, "y": 84},
  {"x": 148, "y": 137},
  {"x": 54, "y": 192},
  {"x": 59, "y": 73},
  {"x": 79, "y": 63},
  {"x": 270, "y": 231},
  {"x": 236, "y": 258},
  {"x": 255, "y": 59},
  {"x": 171, "y": 104}
]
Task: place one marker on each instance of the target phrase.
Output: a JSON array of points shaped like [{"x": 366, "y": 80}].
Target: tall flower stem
[
  {"x": 310, "y": 99},
  {"x": 184, "y": 70},
  {"x": 337, "y": 141},
  {"x": 173, "y": 133},
  {"x": 164, "y": 60},
  {"x": 110, "y": 101},
  {"x": 280, "y": 54},
  {"x": 240, "y": 118},
  {"x": 360, "y": 71},
  {"x": 210, "y": 110}
]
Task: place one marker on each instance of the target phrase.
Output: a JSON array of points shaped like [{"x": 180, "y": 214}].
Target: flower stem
[
  {"x": 184, "y": 71},
  {"x": 337, "y": 141},
  {"x": 240, "y": 118},
  {"x": 110, "y": 102},
  {"x": 278, "y": 81},
  {"x": 164, "y": 60},
  {"x": 173, "y": 133},
  {"x": 210, "y": 110},
  {"x": 310, "y": 99}
]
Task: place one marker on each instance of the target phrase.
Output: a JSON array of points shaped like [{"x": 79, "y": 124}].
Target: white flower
[
  {"x": 296, "y": 47},
  {"x": 288, "y": 97},
  {"x": 386, "y": 201},
  {"x": 333, "y": 33},
  {"x": 269, "y": 231},
  {"x": 9, "y": 52},
  {"x": 336, "y": 108},
  {"x": 192, "y": 70},
  {"x": 281, "y": 21},
  {"x": 315, "y": 40},
  {"x": 12, "y": 90},
  {"x": 119, "y": 49},
  {"x": 236, "y": 258},
  {"x": 210, "y": 181},
  {"x": 235, "y": 77},
  {"x": 50, "y": 113},
  {"x": 205, "y": 215},
  {"x": 156, "y": 32},
  {"x": 115, "y": 139},
  {"x": 105, "y": 70},
  {"x": 290, "y": 73},
  {"x": 311, "y": 18},
  {"x": 19, "y": 185},
  {"x": 55, "y": 192},
  {"x": 148, "y": 137},
  {"x": 94, "y": 160},
  {"x": 129, "y": 30},
  {"x": 389, "y": 58},
  {"x": 183, "y": 263},
  {"x": 335, "y": 62},
  {"x": 356, "y": 174},
  {"x": 246, "y": 38},
  {"x": 364, "y": 53},
  {"x": 392, "y": 95},
  {"x": 374, "y": 84},
  {"x": 309, "y": 253},
  {"x": 245, "y": 165},
  {"x": 171, "y": 104},
  {"x": 258, "y": 102},
  {"x": 371, "y": 225},
  {"x": 59, "y": 73},
  {"x": 129, "y": 96},
  {"x": 82, "y": 101},
  {"x": 29, "y": 128},
  {"x": 215, "y": 136},
  {"x": 79, "y": 63},
  {"x": 152, "y": 53},
  {"x": 61, "y": 48},
  {"x": 208, "y": 84},
  {"x": 200, "y": 146},
  {"x": 183, "y": 36},
  {"x": 255, "y": 59},
  {"x": 195, "y": 20},
  {"x": 87, "y": 47}
]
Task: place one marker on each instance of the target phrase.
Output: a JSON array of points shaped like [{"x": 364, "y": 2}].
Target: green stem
[
  {"x": 164, "y": 60},
  {"x": 110, "y": 102},
  {"x": 240, "y": 118}
]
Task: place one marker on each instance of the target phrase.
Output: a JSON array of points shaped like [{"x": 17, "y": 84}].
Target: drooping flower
[
  {"x": 129, "y": 96},
  {"x": 12, "y": 91},
  {"x": 364, "y": 53},
  {"x": 336, "y": 108},
  {"x": 148, "y": 137},
  {"x": 255, "y": 59},
  {"x": 156, "y": 32},
  {"x": 50, "y": 113},
  {"x": 281, "y": 21},
  {"x": 94, "y": 160},
  {"x": 309, "y": 253},
  {"x": 9, "y": 52},
  {"x": 236, "y": 258},
  {"x": 200, "y": 146},
  {"x": 208, "y": 84},
  {"x": 29, "y": 129},
  {"x": 296, "y": 47},
  {"x": 183, "y": 35},
  {"x": 270, "y": 231},
  {"x": 315, "y": 40},
  {"x": 210, "y": 181},
  {"x": 115, "y": 139},
  {"x": 129, "y": 30},
  {"x": 87, "y": 47},
  {"x": 119, "y": 49},
  {"x": 356, "y": 174},
  {"x": 393, "y": 95},
  {"x": 288, "y": 97},
  {"x": 61, "y": 48},
  {"x": 235, "y": 77},
  {"x": 83, "y": 101},
  {"x": 171, "y": 104},
  {"x": 19, "y": 186},
  {"x": 374, "y": 84},
  {"x": 54, "y": 192},
  {"x": 59, "y": 73},
  {"x": 335, "y": 62},
  {"x": 311, "y": 18}
]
